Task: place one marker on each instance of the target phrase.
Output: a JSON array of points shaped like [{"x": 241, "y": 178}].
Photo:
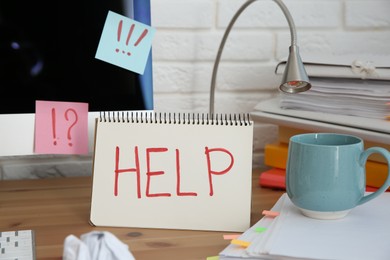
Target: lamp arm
[
  {"x": 226, "y": 34},
  {"x": 290, "y": 21}
]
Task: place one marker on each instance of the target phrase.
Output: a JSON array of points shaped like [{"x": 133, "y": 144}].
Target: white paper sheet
[{"x": 363, "y": 234}]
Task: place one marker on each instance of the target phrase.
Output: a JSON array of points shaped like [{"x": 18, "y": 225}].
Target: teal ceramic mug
[{"x": 325, "y": 174}]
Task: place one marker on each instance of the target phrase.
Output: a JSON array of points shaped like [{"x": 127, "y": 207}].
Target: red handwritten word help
[{"x": 151, "y": 174}]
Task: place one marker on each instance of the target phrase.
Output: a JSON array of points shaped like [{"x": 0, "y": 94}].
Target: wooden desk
[{"x": 56, "y": 208}]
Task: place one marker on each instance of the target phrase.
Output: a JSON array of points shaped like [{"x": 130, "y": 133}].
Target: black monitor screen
[{"x": 47, "y": 52}]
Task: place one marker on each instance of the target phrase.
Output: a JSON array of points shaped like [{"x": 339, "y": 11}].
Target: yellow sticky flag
[{"x": 240, "y": 242}]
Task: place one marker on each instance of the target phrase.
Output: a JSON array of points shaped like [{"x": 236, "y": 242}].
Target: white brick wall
[
  {"x": 189, "y": 33},
  {"x": 186, "y": 42}
]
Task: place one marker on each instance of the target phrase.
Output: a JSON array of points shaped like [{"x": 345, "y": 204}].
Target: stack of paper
[
  {"x": 363, "y": 234},
  {"x": 364, "y": 66},
  {"x": 365, "y": 98},
  {"x": 370, "y": 129},
  {"x": 355, "y": 88}
]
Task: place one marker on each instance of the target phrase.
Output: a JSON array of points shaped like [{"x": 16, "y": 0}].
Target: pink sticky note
[
  {"x": 61, "y": 127},
  {"x": 269, "y": 213}
]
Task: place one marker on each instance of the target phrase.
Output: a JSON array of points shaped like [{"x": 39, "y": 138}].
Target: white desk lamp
[{"x": 294, "y": 79}]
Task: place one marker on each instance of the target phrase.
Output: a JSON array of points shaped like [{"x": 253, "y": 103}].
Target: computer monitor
[{"x": 47, "y": 51}]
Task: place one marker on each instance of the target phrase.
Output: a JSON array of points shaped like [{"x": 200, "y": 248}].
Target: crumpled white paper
[{"x": 96, "y": 245}]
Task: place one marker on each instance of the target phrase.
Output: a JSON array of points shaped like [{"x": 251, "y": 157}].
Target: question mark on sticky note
[{"x": 75, "y": 119}]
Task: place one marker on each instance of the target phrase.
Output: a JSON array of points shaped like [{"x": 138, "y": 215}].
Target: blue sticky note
[{"x": 125, "y": 42}]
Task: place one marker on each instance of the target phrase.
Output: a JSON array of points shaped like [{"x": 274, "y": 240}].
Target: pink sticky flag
[
  {"x": 269, "y": 213},
  {"x": 230, "y": 237}
]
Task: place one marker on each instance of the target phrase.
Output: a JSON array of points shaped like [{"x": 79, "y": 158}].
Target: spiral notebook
[{"x": 171, "y": 170}]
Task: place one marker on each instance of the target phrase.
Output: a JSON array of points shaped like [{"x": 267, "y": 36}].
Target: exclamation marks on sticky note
[
  {"x": 53, "y": 124},
  {"x": 143, "y": 34},
  {"x": 130, "y": 33},
  {"x": 131, "y": 29}
]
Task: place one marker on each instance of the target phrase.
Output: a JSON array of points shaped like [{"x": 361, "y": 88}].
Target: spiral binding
[{"x": 175, "y": 118}]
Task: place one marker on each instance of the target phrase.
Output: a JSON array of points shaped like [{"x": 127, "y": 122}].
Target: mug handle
[{"x": 363, "y": 159}]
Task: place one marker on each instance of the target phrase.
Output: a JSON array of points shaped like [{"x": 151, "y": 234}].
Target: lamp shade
[{"x": 295, "y": 78}]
